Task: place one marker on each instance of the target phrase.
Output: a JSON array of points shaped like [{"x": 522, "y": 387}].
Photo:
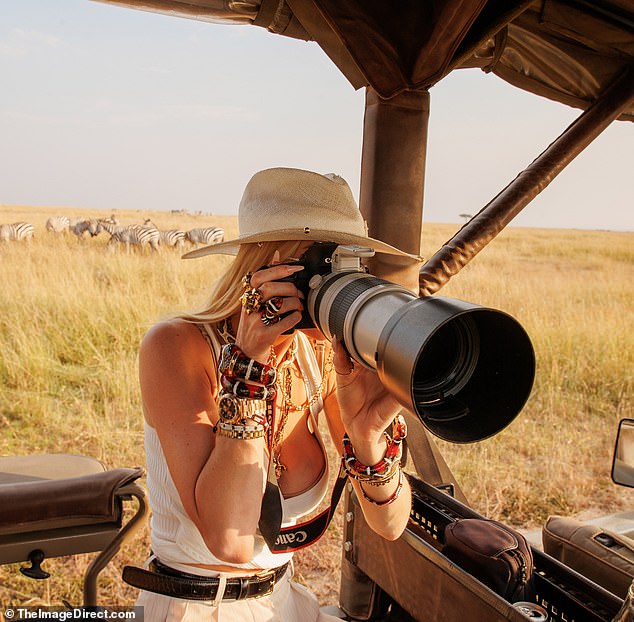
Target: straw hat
[{"x": 291, "y": 204}]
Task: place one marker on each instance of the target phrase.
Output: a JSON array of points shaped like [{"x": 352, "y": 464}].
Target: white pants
[{"x": 289, "y": 602}]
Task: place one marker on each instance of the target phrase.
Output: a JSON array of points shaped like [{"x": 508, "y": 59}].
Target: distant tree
[{"x": 467, "y": 217}]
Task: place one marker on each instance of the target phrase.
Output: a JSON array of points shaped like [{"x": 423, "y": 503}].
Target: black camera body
[{"x": 321, "y": 259}]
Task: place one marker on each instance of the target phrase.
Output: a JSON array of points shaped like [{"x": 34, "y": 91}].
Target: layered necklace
[{"x": 284, "y": 384}]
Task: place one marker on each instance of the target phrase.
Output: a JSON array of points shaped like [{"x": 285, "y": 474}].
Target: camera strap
[{"x": 288, "y": 539}]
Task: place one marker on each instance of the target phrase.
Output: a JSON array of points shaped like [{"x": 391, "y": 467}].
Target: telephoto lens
[{"x": 463, "y": 369}]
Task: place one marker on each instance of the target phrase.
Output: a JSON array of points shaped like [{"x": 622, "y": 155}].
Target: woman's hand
[
  {"x": 367, "y": 408},
  {"x": 255, "y": 338}
]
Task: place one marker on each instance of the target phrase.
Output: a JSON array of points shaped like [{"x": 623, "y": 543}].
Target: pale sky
[{"x": 111, "y": 108}]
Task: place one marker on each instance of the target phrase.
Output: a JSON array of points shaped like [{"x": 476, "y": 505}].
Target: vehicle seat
[
  {"x": 605, "y": 557},
  {"x": 64, "y": 504}
]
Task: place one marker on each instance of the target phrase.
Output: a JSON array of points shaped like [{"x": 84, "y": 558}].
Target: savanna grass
[
  {"x": 73, "y": 314},
  {"x": 571, "y": 290}
]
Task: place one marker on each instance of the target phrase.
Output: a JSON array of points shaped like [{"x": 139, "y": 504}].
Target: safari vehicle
[{"x": 577, "y": 52}]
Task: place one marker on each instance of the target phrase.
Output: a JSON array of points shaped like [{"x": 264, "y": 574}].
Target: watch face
[{"x": 227, "y": 408}]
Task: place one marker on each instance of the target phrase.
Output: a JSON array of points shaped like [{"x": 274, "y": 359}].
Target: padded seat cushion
[
  {"x": 53, "y": 491},
  {"x": 605, "y": 557},
  {"x": 38, "y": 467}
]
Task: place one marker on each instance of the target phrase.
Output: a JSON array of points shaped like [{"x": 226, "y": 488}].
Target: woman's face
[
  {"x": 303, "y": 246},
  {"x": 301, "y": 249}
]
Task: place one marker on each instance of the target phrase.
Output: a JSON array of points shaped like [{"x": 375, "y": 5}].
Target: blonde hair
[{"x": 224, "y": 299}]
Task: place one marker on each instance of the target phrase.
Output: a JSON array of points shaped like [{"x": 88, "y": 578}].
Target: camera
[
  {"x": 463, "y": 369},
  {"x": 321, "y": 259}
]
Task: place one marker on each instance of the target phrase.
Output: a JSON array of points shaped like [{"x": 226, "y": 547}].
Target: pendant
[{"x": 279, "y": 469}]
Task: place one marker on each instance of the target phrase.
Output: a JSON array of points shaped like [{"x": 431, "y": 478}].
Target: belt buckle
[{"x": 264, "y": 576}]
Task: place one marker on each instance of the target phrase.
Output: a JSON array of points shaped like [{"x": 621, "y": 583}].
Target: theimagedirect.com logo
[{"x": 75, "y": 613}]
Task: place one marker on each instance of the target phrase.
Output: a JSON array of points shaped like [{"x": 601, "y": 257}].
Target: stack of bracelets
[
  {"x": 245, "y": 408},
  {"x": 383, "y": 471},
  {"x": 248, "y": 389}
]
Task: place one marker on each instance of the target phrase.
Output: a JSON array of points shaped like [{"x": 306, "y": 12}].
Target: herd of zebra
[{"x": 141, "y": 236}]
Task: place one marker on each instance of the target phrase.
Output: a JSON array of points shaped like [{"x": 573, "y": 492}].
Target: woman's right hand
[{"x": 253, "y": 337}]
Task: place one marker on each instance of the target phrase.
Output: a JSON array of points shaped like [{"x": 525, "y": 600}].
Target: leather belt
[{"x": 162, "y": 579}]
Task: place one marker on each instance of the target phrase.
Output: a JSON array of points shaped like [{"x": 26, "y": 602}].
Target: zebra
[
  {"x": 173, "y": 238},
  {"x": 17, "y": 231},
  {"x": 58, "y": 224},
  {"x": 92, "y": 226},
  {"x": 112, "y": 219},
  {"x": 206, "y": 235},
  {"x": 136, "y": 235},
  {"x": 118, "y": 234},
  {"x": 145, "y": 235}
]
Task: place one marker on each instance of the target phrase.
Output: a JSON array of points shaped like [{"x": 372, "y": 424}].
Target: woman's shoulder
[
  {"x": 175, "y": 369},
  {"x": 172, "y": 336}
]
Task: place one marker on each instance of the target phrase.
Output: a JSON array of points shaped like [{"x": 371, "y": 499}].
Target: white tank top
[{"x": 175, "y": 539}]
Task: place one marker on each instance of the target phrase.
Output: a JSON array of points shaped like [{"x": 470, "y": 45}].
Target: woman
[{"x": 231, "y": 396}]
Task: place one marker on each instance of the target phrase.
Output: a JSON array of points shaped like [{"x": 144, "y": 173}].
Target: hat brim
[{"x": 230, "y": 247}]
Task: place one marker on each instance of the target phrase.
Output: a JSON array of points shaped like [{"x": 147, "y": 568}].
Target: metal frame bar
[
  {"x": 104, "y": 558},
  {"x": 502, "y": 19},
  {"x": 493, "y": 217}
]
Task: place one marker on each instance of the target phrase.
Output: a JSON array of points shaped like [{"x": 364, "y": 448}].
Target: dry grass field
[{"x": 73, "y": 313}]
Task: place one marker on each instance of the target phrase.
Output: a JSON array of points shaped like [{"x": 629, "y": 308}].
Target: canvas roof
[{"x": 566, "y": 50}]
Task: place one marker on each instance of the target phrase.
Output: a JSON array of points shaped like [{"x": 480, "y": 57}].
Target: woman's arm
[
  {"x": 361, "y": 407},
  {"x": 220, "y": 480}
]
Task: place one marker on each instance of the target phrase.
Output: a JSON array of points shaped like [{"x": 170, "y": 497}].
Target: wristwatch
[{"x": 232, "y": 409}]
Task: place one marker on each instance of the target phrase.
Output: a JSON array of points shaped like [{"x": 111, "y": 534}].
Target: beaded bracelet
[
  {"x": 393, "y": 497},
  {"x": 385, "y": 479},
  {"x": 384, "y": 468}
]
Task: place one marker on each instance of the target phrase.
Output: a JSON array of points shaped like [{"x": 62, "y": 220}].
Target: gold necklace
[
  {"x": 284, "y": 387},
  {"x": 285, "y": 366}
]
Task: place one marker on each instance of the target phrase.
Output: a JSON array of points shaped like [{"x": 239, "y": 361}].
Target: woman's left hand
[{"x": 367, "y": 408}]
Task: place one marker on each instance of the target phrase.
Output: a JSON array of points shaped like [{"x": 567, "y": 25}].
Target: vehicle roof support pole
[
  {"x": 494, "y": 216},
  {"x": 391, "y": 200},
  {"x": 393, "y": 178}
]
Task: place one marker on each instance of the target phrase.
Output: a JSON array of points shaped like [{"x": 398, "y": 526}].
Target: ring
[
  {"x": 268, "y": 319},
  {"x": 274, "y": 305},
  {"x": 251, "y": 300},
  {"x": 246, "y": 281}
]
